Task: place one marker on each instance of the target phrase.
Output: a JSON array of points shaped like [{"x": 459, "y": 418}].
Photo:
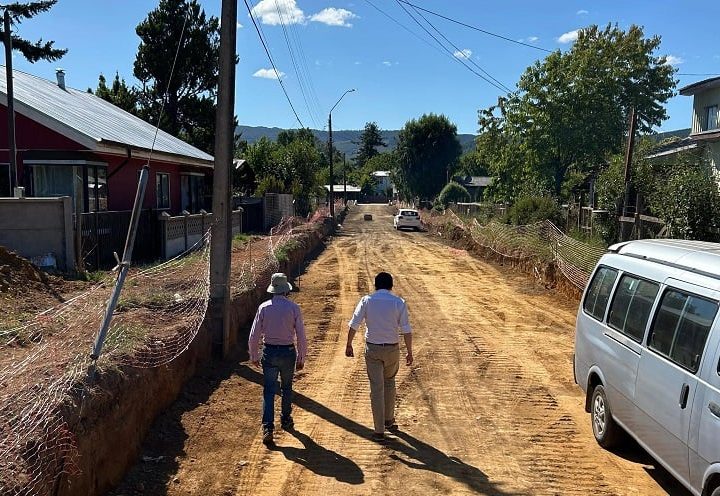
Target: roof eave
[{"x": 113, "y": 147}]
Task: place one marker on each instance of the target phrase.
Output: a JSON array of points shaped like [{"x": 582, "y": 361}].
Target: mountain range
[{"x": 346, "y": 141}]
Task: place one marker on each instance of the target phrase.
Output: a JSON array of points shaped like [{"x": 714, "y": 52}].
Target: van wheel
[
  {"x": 607, "y": 432},
  {"x": 716, "y": 492}
]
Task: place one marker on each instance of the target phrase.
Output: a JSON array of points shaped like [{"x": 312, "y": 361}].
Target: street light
[{"x": 330, "y": 152}]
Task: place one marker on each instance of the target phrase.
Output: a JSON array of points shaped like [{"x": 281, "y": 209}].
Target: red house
[{"x": 72, "y": 143}]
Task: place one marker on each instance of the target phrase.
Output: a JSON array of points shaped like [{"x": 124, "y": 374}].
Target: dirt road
[{"x": 489, "y": 407}]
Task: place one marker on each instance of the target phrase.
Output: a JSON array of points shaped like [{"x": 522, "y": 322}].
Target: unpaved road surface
[{"x": 489, "y": 407}]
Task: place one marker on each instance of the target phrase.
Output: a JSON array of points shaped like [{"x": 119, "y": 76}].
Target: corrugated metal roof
[
  {"x": 98, "y": 120},
  {"x": 703, "y": 85}
]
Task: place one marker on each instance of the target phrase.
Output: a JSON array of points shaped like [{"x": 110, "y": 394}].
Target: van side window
[
  {"x": 631, "y": 306},
  {"x": 598, "y": 293},
  {"x": 681, "y": 328}
]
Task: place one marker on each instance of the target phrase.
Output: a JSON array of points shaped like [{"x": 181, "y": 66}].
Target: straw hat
[{"x": 279, "y": 284}]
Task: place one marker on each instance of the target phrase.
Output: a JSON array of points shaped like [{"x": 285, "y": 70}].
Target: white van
[{"x": 647, "y": 354}]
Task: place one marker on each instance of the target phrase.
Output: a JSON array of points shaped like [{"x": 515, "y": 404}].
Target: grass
[
  {"x": 241, "y": 239},
  {"x": 154, "y": 300},
  {"x": 125, "y": 337}
]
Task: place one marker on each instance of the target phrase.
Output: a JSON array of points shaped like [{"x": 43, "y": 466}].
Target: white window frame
[{"x": 711, "y": 117}]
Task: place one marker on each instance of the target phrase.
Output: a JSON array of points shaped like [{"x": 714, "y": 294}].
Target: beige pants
[{"x": 382, "y": 366}]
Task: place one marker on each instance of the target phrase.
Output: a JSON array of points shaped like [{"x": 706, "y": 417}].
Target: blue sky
[{"x": 399, "y": 75}]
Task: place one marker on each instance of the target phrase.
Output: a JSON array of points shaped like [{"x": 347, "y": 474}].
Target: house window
[
  {"x": 192, "y": 189},
  {"x": 5, "y": 180},
  {"x": 162, "y": 189},
  {"x": 711, "y": 117}
]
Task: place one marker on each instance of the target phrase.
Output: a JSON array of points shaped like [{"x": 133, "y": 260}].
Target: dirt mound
[{"x": 17, "y": 274}]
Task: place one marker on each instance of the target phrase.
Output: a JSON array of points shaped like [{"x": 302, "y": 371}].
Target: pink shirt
[{"x": 278, "y": 321}]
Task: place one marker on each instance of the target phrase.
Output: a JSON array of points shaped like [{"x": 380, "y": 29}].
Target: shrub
[
  {"x": 533, "y": 209},
  {"x": 452, "y": 193}
]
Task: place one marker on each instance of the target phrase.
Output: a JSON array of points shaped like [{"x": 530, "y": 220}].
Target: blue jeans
[{"x": 277, "y": 360}]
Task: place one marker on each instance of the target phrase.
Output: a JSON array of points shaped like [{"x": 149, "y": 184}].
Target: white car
[{"x": 407, "y": 218}]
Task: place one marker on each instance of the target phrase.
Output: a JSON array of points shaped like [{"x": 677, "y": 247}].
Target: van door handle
[
  {"x": 684, "y": 393},
  {"x": 714, "y": 409}
]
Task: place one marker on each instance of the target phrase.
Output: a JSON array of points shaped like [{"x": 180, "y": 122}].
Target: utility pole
[
  {"x": 344, "y": 179},
  {"x": 330, "y": 157},
  {"x": 221, "y": 242},
  {"x": 330, "y": 153},
  {"x": 14, "y": 179},
  {"x": 628, "y": 158}
]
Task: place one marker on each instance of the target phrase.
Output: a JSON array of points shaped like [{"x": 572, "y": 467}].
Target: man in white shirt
[{"x": 384, "y": 314}]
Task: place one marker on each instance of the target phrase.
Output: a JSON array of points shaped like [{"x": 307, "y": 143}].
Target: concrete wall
[
  {"x": 277, "y": 207},
  {"x": 34, "y": 227}
]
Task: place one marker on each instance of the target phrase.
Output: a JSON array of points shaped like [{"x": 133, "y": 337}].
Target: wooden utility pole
[
  {"x": 221, "y": 243},
  {"x": 628, "y": 159},
  {"x": 14, "y": 179}
]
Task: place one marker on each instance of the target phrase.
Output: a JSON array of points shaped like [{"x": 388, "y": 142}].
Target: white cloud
[
  {"x": 267, "y": 12},
  {"x": 268, "y": 74},
  {"x": 533, "y": 39},
  {"x": 357, "y": 62},
  {"x": 334, "y": 17},
  {"x": 673, "y": 60},
  {"x": 465, "y": 53},
  {"x": 239, "y": 25},
  {"x": 387, "y": 63},
  {"x": 569, "y": 37},
  {"x": 582, "y": 12}
]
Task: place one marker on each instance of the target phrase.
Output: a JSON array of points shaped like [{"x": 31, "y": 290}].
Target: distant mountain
[{"x": 344, "y": 140}]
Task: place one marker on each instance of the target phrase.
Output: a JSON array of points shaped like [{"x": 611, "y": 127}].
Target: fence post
[
  {"x": 186, "y": 215},
  {"x": 202, "y": 222},
  {"x": 164, "y": 217},
  {"x": 97, "y": 240}
]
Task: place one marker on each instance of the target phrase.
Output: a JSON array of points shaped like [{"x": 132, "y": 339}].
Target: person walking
[
  {"x": 279, "y": 323},
  {"x": 384, "y": 314}
]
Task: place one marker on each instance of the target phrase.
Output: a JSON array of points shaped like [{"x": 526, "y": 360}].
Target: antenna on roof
[{"x": 60, "y": 73}]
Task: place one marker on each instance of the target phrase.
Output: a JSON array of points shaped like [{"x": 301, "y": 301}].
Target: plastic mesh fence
[
  {"x": 44, "y": 362},
  {"x": 541, "y": 241}
]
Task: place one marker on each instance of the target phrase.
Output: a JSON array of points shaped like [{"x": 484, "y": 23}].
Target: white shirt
[{"x": 384, "y": 314}]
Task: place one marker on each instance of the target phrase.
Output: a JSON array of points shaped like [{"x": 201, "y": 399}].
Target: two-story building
[{"x": 705, "y": 129}]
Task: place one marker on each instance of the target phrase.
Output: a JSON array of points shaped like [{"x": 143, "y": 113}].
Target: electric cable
[{"x": 272, "y": 62}]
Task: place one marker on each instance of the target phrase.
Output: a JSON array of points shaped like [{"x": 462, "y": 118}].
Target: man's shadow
[
  {"x": 320, "y": 460},
  {"x": 425, "y": 456}
]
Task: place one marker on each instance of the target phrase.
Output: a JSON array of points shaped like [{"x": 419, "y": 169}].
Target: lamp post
[{"x": 330, "y": 152}]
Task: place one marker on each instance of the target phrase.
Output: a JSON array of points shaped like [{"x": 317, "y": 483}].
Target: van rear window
[
  {"x": 598, "y": 293},
  {"x": 681, "y": 327},
  {"x": 630, "y": 309}
]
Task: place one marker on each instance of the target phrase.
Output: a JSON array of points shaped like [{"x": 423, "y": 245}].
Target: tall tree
[
  {"x": 427, "y": 153},
  {"x": 33, "y": 52},
  {"x": 189, "y": 111},
  {"x": 119, "y": 94},
  {"x": 370, "y": 140},
  {"x": 571, "y": 109}
]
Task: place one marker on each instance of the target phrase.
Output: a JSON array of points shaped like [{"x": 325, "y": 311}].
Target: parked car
[
  {"x": 647, "y": 354},
  {"x": 407, "y": 218}
]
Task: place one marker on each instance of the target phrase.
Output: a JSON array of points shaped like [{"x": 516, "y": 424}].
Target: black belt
[
  {"x": 382, "y": 344},
  {"x": 279, "y": 345}
]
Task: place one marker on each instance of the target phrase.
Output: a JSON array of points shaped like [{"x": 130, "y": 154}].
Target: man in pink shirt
[{"x": 278, "y": 322}]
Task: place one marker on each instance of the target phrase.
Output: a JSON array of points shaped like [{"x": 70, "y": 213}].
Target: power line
[
  {"x": 300, "y": 77},
  {"x": 695, "y": 74},
  {"x": 474, "y": 27},
  {"x": 404, "y": 27},
  {"x": 272, "y": 62},
  {"x": 447, "y": 50},
  {"x": 463, "y": 54}
]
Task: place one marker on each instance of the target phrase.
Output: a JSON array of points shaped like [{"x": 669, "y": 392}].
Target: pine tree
[
  {"x": 39, "y": 50},
  {"x": 370, "y": 140},
  {"x": 189, "y": 110},
  {"x": 120, "y": 94}
]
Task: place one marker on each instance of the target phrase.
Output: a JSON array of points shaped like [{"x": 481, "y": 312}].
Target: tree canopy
[
  {"x": 427, "y": 153},
  {"x": 571, "y": 109},
  {"x": 39, "y": 50},
  {"x": 189, "y": 105}
]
